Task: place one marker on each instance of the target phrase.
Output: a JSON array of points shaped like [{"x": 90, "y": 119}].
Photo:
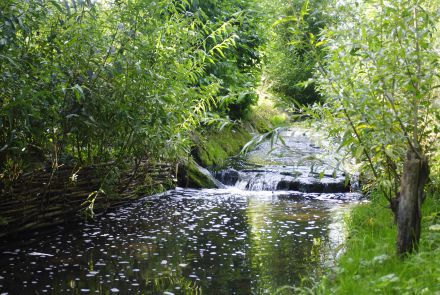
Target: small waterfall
[
  {"x": 299, "y": 167},
  {"x": 228, "y": 177},
  {"x": 262, "y": 180}
]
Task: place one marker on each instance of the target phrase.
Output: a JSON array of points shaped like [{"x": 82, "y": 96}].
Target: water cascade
[{"x": 298, "y": 166}]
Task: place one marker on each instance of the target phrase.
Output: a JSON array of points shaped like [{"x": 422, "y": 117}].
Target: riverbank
[
  {"x": 48, "y": 197},
  {"x": 370, "y": 265}
]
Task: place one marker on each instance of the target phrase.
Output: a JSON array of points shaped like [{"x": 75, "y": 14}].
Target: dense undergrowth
[
  {"x": 86, "y": 82},
  {"x": 289, "y": 68},
  {"x": 370, "y": 265},
  {"x": 120, "y": 83}
]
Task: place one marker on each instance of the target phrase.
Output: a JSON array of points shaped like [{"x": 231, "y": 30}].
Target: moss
[
  {"x": 189, "y": 175},
  {"x": 213, "y": 149}
]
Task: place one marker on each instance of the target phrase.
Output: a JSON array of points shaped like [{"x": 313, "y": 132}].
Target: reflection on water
[{"x": 184, "y": 242}]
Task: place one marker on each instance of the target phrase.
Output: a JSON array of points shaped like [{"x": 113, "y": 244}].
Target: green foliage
[
  {"x": 379, "y": 82},
  {"x": 86, "y": 82},
  {"x": 435, "y": 164},
  {"x": 238, "y": 70},
  {"x": 265, "y": 116},
  {"x": 369, "y": 266},
  {"x": 289, "y": 64},
  {"x": 435, "y": 170}
]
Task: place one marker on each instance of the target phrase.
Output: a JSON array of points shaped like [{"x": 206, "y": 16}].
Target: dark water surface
[
  {"x": 183, "y": 242},
  {"x": 250, "y": 238}
]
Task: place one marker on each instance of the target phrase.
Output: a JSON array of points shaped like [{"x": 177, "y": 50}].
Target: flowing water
[{"x": 252, "y": 237}]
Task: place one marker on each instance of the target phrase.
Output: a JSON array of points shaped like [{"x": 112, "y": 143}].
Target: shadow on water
[{"x": 235, "y": 240}]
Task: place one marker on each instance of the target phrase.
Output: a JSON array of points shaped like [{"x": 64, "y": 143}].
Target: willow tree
[
  {"x": 380, "y": 78},
  {"x": 84, "y": 82}
]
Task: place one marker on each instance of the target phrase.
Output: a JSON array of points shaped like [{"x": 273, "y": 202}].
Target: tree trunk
[{"x": 409, "y": 215}]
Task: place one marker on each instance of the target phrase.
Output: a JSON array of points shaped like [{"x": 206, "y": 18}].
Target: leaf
[
  {"x": 359, "y": 152},
  {"x": 223, "y": 125},
  {"x": 69, "y": 116},
  {"x": 354, "y": 51},
  {"x": 247, "y": 146},
  {"x": 282, "y": 140},
  {"x": 321, "y": 43},
  {"x": 285, "y": 20},
  {"x": 305, "y": 9},
  {"x": 57, "y": 5},
  {"x": 435, "y": 227},
  {"x": 79, "y": 93},
  {"x": 4, "y": 148},
  {"x": 10, "y": 60},
  {"x": 220, "y": 52}
]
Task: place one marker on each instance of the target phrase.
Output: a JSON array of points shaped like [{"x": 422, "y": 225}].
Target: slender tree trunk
[{"x": 409, "y": 215}]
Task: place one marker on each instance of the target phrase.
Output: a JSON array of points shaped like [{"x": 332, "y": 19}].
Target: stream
[{"x": 277, "y": 219}]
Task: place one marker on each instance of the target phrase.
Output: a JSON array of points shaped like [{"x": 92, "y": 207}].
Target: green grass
[{"x": 370, "y": 264}]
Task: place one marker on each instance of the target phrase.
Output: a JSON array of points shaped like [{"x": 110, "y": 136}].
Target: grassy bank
[
  {"x": 370, "y": 265},
  {"x": 212, "y": 147}
]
